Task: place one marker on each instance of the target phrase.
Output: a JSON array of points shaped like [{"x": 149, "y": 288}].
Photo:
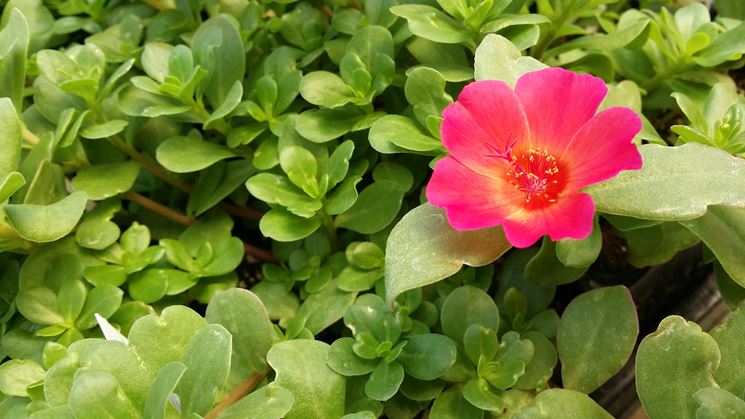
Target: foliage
[{"x": 216, "y": 209}]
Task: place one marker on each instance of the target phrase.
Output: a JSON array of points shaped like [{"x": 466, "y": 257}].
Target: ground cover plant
[{"x": 366, "y": 208}]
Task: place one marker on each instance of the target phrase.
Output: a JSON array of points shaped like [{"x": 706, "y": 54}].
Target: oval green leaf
[
  {"x": 188, "y": 154},
  {"x": 301, "y": 368},
  {"x": 46, "y": 223},
  {"x": 675, "y": 183},
  {"x": 596, "y": 336},
  {"x": 672, "y": 364},
  {"x": 423, "y": 249}
]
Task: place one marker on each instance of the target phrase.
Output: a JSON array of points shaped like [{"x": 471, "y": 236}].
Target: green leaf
[
  {"x": 207, "y": 360},
  {"x": 672, "y": 364},
  {"x": 562, "y": 404},
  {"x": 9, "y": 184},
  {"x": 10, "y": 136},
  {"x": 596, "y": 336},
  {"x": 432, "y": 24},
  {"x": 97, "y": 395},
  {"x": 123, "y": 364},
  {"x": 649, "y": 246},
  {"x": 283, "y": 226},
  {"x": 731, "y": 8},
  {"x": 188, "y": 154},
  {"x": 426, "y": 357},
  {"x": 722, "y": 229},
  {"x": 451, "y": 404},
  {"x": 718, "y": 403},
  {"x": 46, "y": 223},
  {"x": 580, "y": 253},
  {"x": 478, "y": 393},
  {"x": 605, "y": 42},
  {"x": 384, "y": 381},
  {"x": 322, "y": 125},
  {"x": 725, "y": 47},
  {"x": 365, "y": 255},
  {"x": 546, "y": 269},
  {"x": 369, "y": 42},
  {"x": 149, "y": 285},
  {"x": 301, "y": 368},
  {"x": 301, "y": 168},
  {"x": 339, "y": 162},
  {"x": 105, "y": 130},
  {"x": 17, "y": 374},
  {"x": 480, "y": 341},
  {"x": 40, "y": 305},
  {"x": 243, "y": 314},
  {"x": 326, "y": 89},
  {"x": 218, "y": 48},
  {"x": 276, "y": 189},
  {"x": 541, "y": 367},
  {"x": 425, "y": 90},
  {"x": 375, "y": 208},
  {"x": 391, "y": 133},
  {"x": 729, "y": 338},
  {"x": 159, "y": 340},
  {"x": 228, "y": 254},
  {"x": 103, "y": 300},
  {"x": 14, "y": 45},
  {"x": 448, "y": 59},
  {"x": 217, "y": 182},
  {"x": 675, "y": 183},
  {"x": 268, "y": 402},
  {"x": 164, "y": 384},
  {"x": 342, "y": 359},
  {"x": 466, "y": 306},
  {"x": 106, "y": 180},
  {"x": 423, "y": 249},
  {"x": 324, "y": 308},
  {"x": 231, "y": 101},
  {"x": 499, "y": 59}
]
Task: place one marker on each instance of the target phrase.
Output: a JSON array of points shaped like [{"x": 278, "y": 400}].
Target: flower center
[{"x": 535, "y": 173}]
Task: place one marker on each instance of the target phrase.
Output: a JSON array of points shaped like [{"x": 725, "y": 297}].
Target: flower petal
[
  {"x": 602, "y": 148},
  {"x": 557, "y": 103},
  {"x": 485, "y": 119},
  {"x": 471, "y": 200},
  {"x": 570, "y": 217}
]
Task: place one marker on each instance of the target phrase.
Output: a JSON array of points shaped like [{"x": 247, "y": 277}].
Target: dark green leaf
[{"x": 426, "y": 357}]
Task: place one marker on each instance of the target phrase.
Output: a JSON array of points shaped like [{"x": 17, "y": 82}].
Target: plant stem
[
  {"x": 29, "y": 136},
  {"x": 239, "y": 392},
  {"x": 158, "y": 208},
  {"x": 243, "y": 212},
  {"x": 328, "y": 222},
  {"x": 260, "y": 254},
  {"x": 148, "y": 165},
  {"x": 182, "y": 219},
  {"x": 158, "y": 171}
]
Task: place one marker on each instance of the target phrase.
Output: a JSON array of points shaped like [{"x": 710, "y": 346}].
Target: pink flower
[{"x": 519, "y": 158}]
